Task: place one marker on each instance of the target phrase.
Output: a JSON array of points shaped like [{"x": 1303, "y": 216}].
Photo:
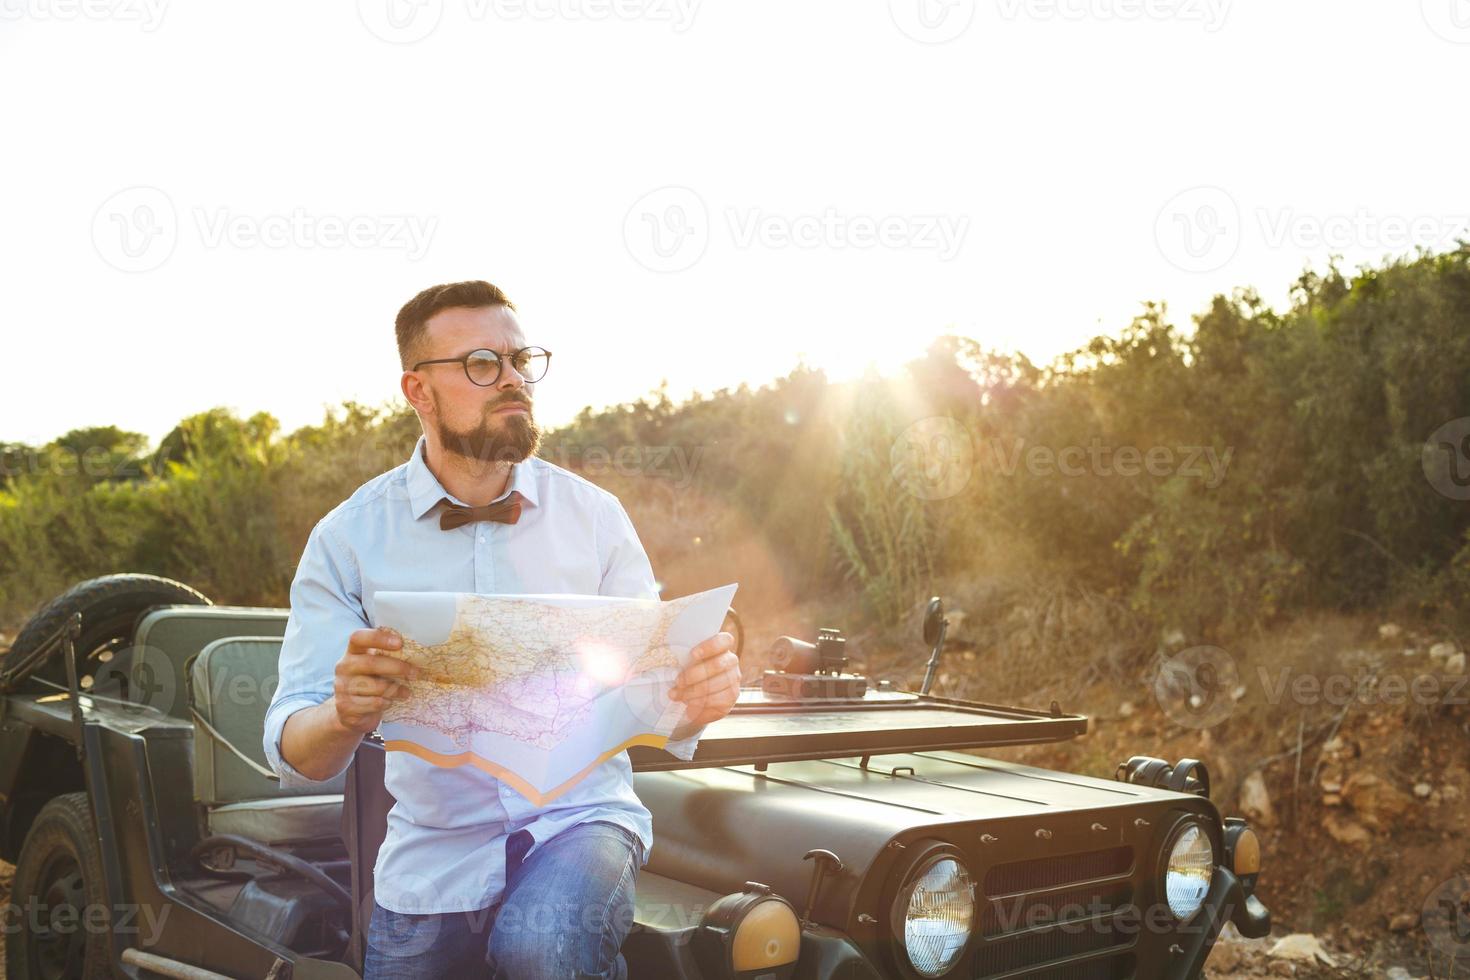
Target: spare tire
[{"x": 110, "y": 608}]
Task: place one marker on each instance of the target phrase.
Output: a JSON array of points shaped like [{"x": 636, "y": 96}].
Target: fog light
[{"x": 754, "y": 933}]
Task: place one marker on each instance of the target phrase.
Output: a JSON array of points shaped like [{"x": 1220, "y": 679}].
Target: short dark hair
[{"x": 414, "y": 317}]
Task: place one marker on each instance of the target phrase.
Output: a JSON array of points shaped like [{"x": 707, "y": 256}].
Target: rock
[
  {"x": 1125, "y": 710},
  {"x": 1334, "y": 745},
  {"x": 1422, "y": 790},
  {"x": 1345, "y": 830},
  {"x": 1239, "y": 692},
  {"x": 1255, "y": 802},
  {"x": 1300, "y": 947},
  {"x": 1455, "y": 664},
  {"x": 1442, "y": 651},
  {"x": 1397, "y": 973},
  {"x": 1376, "y": 802},
  {"x": 1174, "y": 638},
  {"x": 1389, "y": 631},
  {"x": 1225, "y": 957},
  {"x": 1331, "y": 799},
  {"x": 1402, "y": 922}
]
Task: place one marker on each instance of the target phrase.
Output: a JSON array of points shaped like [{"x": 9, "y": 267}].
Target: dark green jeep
[{"x": 826, "y": 828}]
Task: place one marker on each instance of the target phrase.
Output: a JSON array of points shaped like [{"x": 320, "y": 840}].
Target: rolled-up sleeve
[
  {"x": 627, "y": 572},
  {"x": 326, "y": 607}
]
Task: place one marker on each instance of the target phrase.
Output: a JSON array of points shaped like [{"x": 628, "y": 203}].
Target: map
[{"x": 538, "y": 690}]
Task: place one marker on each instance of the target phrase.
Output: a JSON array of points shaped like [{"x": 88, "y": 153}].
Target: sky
[{"x": 207, "y": 204}]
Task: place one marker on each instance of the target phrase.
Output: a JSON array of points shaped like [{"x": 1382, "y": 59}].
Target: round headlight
[
  {"x": 940, "y": 910},
  {"x": 1187, "y": 874}
]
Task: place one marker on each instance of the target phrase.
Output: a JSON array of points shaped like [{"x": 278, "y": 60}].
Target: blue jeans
[{"x": 564, "y": 914}]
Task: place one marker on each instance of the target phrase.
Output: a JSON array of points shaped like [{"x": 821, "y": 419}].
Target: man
[{"x": 466, "y": 855}]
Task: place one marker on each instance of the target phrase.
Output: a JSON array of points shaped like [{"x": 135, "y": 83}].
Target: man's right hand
[{"x": 368, "y": 680}]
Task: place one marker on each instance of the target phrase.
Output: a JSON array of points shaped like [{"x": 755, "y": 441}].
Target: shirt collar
[{"x": 425, "y": 490}]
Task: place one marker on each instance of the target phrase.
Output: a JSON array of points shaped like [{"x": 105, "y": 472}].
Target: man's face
[{"x": 474, "y": 421}]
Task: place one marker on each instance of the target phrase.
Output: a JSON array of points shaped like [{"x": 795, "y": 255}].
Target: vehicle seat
[
  {"x": 166, "y": 639},
  {"x": 230, "y": 687}
]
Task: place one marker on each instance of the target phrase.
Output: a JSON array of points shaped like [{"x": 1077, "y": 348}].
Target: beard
[{"x": 495, "y": 439}]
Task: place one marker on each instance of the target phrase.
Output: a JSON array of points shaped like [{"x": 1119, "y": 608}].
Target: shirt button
[{"x": 482, "y": 539}]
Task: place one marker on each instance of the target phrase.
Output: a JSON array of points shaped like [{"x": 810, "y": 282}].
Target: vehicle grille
[{"x": 1038, "y": 915}]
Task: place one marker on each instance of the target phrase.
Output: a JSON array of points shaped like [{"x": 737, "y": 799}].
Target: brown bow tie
[{"x": 506, "y": 511}]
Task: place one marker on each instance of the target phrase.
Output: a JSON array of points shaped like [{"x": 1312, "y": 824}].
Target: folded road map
[{"x": 538, "y": 690}]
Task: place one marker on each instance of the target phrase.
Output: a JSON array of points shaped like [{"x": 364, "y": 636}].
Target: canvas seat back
[
  {"x": 167, "y": 639},
  {"x": 230, "y": 686}
]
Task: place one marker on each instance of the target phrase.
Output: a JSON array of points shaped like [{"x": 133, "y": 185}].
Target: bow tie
[{"x": 506, "y": 511}]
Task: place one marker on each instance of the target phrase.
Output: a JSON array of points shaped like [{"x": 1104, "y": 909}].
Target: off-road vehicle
[{"x": 829, "y": 827}]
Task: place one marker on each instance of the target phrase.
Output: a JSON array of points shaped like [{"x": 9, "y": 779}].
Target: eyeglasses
[{"x": 483, "y": 366}]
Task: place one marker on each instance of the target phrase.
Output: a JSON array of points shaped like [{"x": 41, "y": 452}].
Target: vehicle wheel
[
  {"x": 110, "y": 607},
  {"x": 54, "y": 930}
]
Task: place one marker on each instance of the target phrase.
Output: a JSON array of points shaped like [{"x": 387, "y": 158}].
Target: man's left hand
[{"x": 710, "y": 684}]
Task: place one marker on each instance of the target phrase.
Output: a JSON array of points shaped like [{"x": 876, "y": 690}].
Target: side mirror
[{"x": 933, "y": 620}]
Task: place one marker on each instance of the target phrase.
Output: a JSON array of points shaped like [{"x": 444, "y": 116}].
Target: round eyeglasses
[{"x": 483, "y": 366}]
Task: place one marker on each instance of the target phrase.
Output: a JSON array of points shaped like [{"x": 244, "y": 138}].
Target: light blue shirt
[{"x": 445, "y": 849}]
